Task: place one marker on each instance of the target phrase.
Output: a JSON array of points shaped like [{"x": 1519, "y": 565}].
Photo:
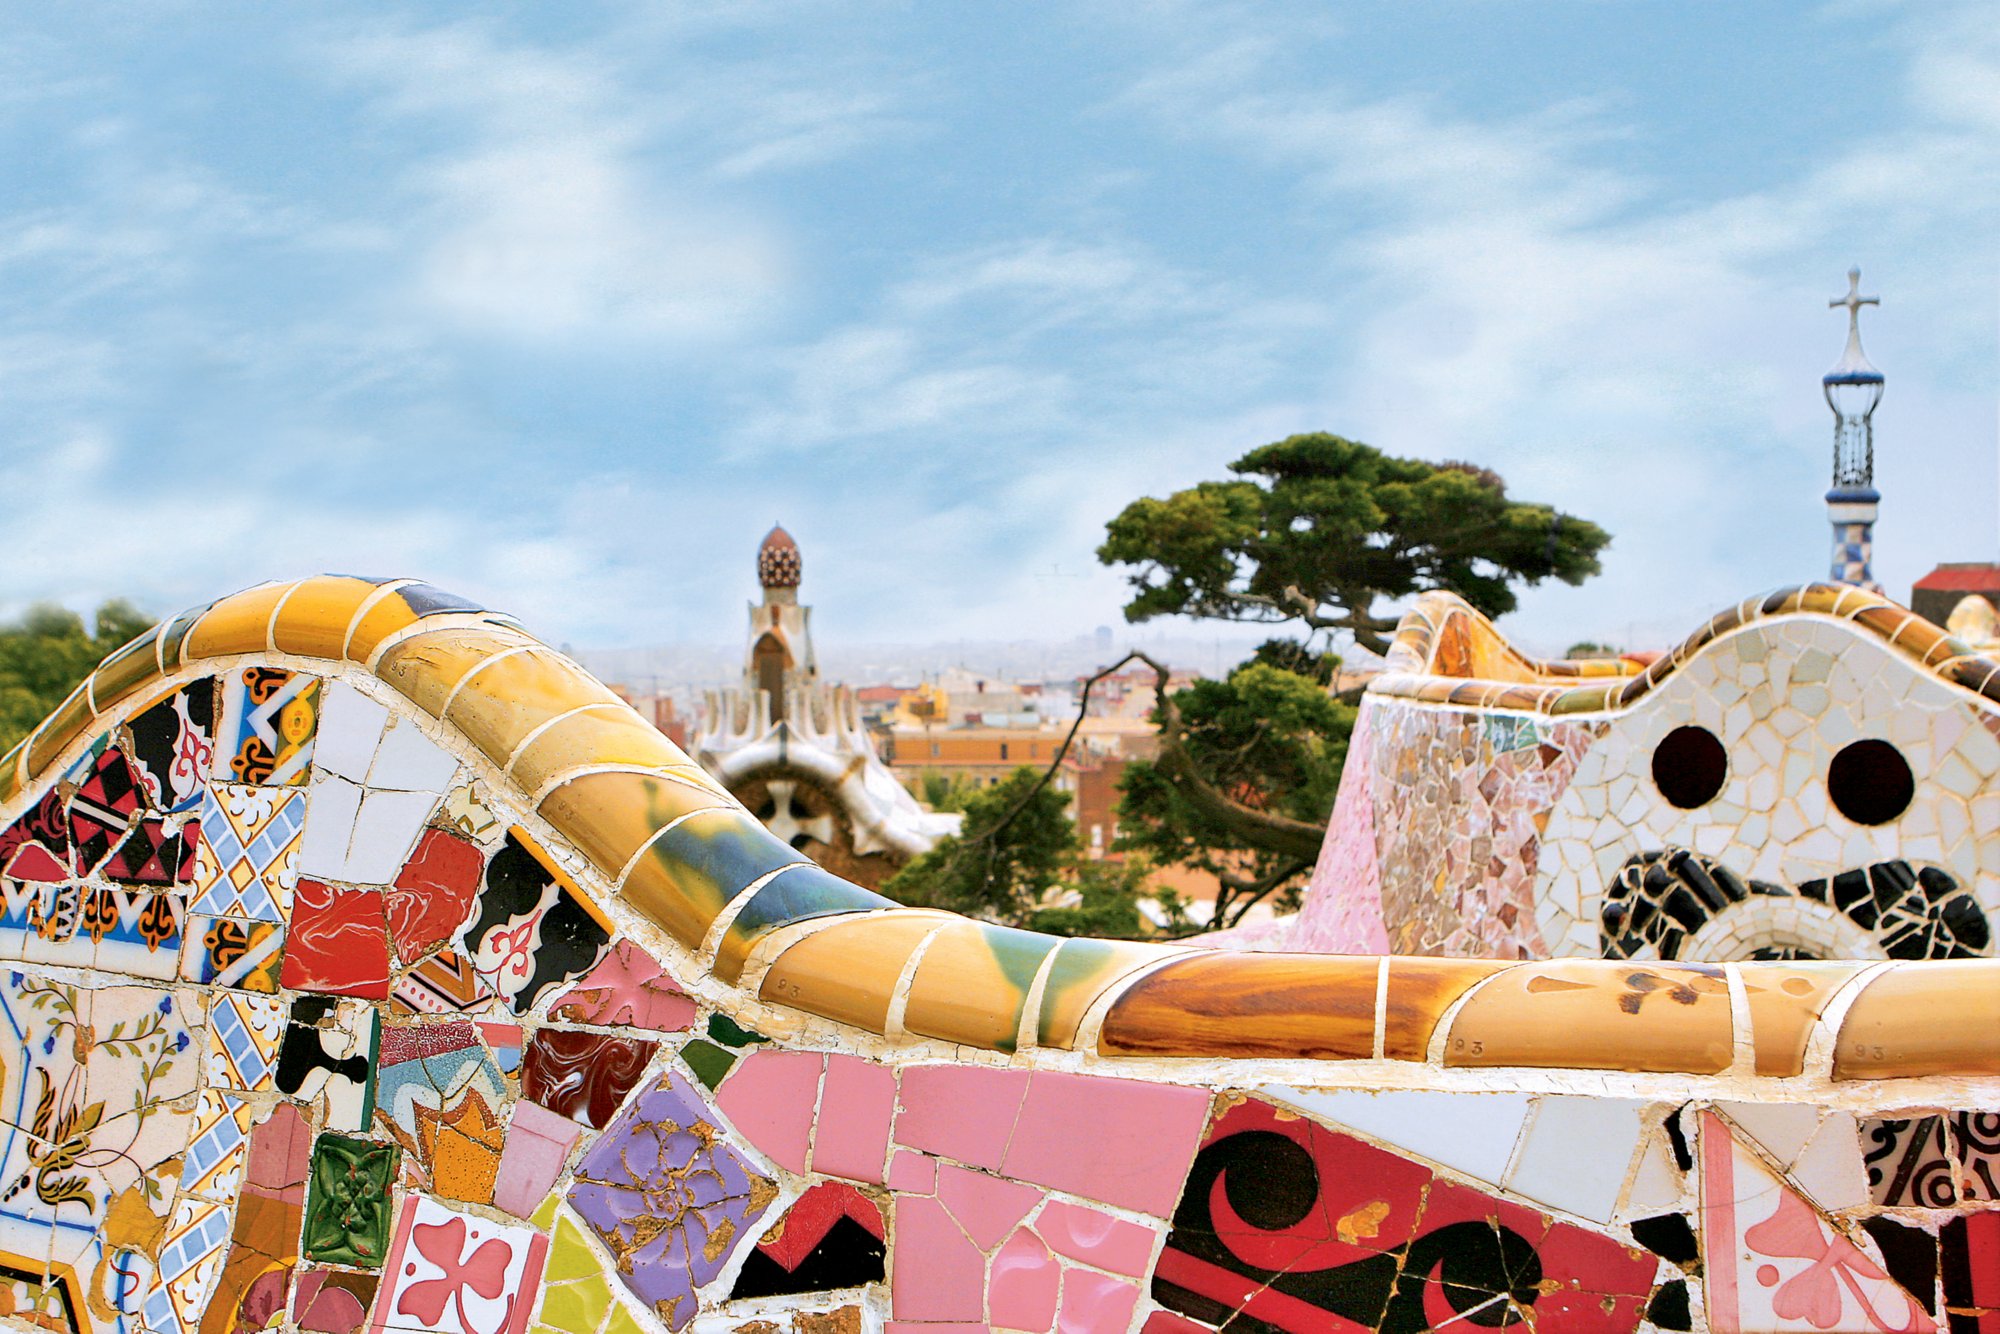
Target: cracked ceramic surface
[{"x": 321, "y": 1018}]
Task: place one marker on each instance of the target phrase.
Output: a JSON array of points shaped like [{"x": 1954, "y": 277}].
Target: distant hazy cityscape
[{"x": 677, "y": 669}]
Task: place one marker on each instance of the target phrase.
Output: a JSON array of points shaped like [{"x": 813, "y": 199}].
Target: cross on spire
[
  {"x": 1854, "y": 301},
  {"x": 1853, "y": 367}
]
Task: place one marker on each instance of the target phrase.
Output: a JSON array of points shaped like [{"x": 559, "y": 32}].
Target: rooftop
[{"x": 1963, "y": 577}]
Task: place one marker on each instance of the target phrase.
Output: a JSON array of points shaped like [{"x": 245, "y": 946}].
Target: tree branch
[
  {"x": 1253, "y": 891},
  {"x": 1267, "y": 830},
  {"x": 1297, "y": 841}
]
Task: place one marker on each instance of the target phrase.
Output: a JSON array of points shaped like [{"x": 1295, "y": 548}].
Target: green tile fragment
[
  {"x": 730, "y": 1033},
  {"x": 348, "y": 1201},
  {"x": 708, "y": 1061}
]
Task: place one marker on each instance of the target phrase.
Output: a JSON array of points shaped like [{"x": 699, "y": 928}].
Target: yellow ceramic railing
[
  {"x": 675, "y": 849},
  {"x": 1444, "y": 652}
]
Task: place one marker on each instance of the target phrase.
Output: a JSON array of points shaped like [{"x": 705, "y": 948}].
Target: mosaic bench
[
  {"x": 372, "y": 967},
  {"x": 1813, "y": 773}
]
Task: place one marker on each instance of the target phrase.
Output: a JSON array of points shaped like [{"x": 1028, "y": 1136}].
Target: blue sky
[{"x": 563, "y": 306}]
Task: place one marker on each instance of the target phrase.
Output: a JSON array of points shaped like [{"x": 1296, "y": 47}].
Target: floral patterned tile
[
  {"x": 669, "y": 1197},
  {"x": 457, "y": 1273}
]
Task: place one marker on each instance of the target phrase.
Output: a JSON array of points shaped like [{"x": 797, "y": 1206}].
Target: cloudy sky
[{"x": 564, "y": 306}]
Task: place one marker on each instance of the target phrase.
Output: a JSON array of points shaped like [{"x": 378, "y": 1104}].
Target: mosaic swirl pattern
[{"x": 366, "y": 966}]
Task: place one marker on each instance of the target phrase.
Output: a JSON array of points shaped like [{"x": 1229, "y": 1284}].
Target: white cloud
[
  {"x": 986, "y": 359},
  {"x": 553, "y": 241},
  {"x": 566, "y": 568},
  {"x": 791, "y": 128},
  {"x": 542, "y": 222}
]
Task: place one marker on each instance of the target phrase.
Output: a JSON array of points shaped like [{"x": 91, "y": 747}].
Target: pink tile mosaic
[
  {"x": 856, "y": 1105},
  {"x": 770, "y": 1097},
  {"x": 938, "y": 1274},
  {"x": 537, "y": 1150},
  {"x": 1139, "y": 1134},
  {"x": 987, "y": 1207},
  {"x": 627, "y": 989},
  {"x": 1774, "y": 1262},
  {"x": 961, "y": 1112}
]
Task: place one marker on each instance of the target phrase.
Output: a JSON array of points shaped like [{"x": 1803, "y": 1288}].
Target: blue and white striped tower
[{"x": 1853, "y": 388}]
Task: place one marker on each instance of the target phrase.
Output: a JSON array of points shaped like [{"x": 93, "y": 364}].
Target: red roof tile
[{"x": 1962, "y": 577}]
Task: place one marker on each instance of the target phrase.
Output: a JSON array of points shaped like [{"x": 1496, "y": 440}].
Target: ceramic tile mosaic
[
  {"x": 483, "y": 1082},
  {"x": 1808, "y": 776},
  {"x": 249, "y": 860},
  {"x": 265, "y": 733},
  {"x": 831, "y": 1237},
  {"x": 530, "y": 931},
  {"x": 1776, "y": 1264},
  {"x": 669, "y": 1198},
  {"x": 457, "y": 1273},
  {"x": 173, "y": 745}
]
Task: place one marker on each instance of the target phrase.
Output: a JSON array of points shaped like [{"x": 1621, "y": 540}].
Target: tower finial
[
  {"x": 1853, "y": 388},
  {"x": 778, "y": 563},
  {"x": 1853, "y": 362}
]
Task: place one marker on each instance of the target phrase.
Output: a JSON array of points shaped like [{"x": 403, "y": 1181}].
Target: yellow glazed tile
[
  {"x": 1233, "y": 1005},
  {"x": 610, "y": 816},
  {"x": 973, "y": 981},
  {"x": 71, "y": 719},
  {"x": 575, "y": 1294},
  {"x": 847, "y": 969},
  {"x": 313, "y": 622},
  {"x": 685, "y": 876},
  {"x": 403, "y": 603},
  {"x": 11, "y": 777},
  {"x": 498, "y": 704},
  {"x": 623, "y": 1322},
  {"x": 1083, "y": 971},
  {"x": 426, "y": 667},
  {"x": 798, "y": 893},
  {"x": 388, "y": 616},
  {"x": 239, "y": 623},
  {"x": 173, "y": 637},
  {"x": 1785, "y": 1002},
  {"x": 603, "y": 734},
  {"x": 128, "y": 669},
  {"x": 1938, "y": 1017},
  {"x": 1592, "y": 1014},
  {"x": 1419, "y": 992}
]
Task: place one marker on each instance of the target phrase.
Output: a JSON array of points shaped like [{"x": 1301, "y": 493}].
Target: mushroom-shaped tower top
[{"x": 778, "y": 563}]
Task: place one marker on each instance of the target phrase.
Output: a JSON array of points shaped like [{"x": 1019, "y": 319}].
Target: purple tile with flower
[{"x": 669, "y": 1197}]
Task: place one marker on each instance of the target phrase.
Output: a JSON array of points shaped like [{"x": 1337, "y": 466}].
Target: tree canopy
[
  {"x": 1269, "y": 740},
  {"x": 1320, "y": 529},
  {"x": 1018, "y": 844},
  {"x": 45, "y": 654}
]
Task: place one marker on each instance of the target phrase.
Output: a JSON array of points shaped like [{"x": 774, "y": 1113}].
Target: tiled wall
[
  {"x": 366, "y": 969},
  {"x": 1798, "y": 779}
]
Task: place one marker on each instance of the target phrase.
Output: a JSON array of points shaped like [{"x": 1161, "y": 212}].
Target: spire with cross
[
  {"x": 1854, "y": 367},
  {"x": 1853, "y": 388}
]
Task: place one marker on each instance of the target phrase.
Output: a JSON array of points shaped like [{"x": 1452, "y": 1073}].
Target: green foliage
[
  {"x": 997, "y": 875},
  {"x": 1109, "y": 906},
  {"x": 1589, "y": 649},
  {"x": 1271, "y": 738},
  {"x": 1320, "y": 528},
  {"x": 945, "y": 792},
  {"x": 1004, "y": 869},
  {"x": 45, "y": 654}
]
